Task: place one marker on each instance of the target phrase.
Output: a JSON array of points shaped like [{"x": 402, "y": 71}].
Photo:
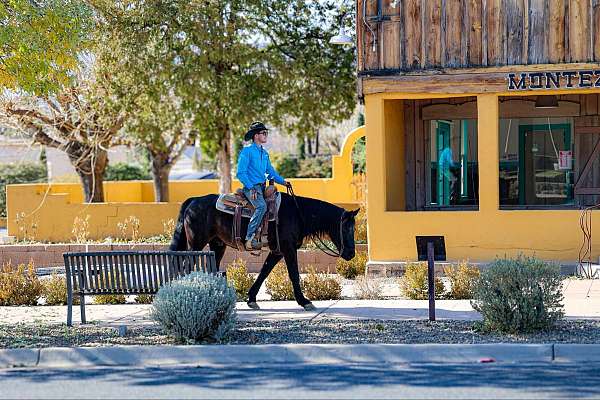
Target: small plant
[
  {"x": 144, "y": 298},
  {"x": 81, "y": 229},
  {"x": 27, "y": 229},
  {"x": 109, "y": 299},
  {"x": 239, "y": 278},
  {"x": 19, "y": 286},
  {"x": 131, "y": 223},
  {"x": 279, "y": 285},
  {"x": 321, "y": 286},
  {"x": 414, "y": 283},
  {"x": 55, "y": 291},
  {"x": 353, "y": 268},
  {"x": 367, "y": 288},
  {"x": 198, "y": 307},
  {"x": 168, "y": 228},
  {"x": 462, "y": 278},
  {"x": 521, "y": 294},
  {"x": 360, "y": 226}
]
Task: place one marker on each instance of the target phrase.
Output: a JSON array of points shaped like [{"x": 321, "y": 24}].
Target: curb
[{"x": 77, "y": 357}]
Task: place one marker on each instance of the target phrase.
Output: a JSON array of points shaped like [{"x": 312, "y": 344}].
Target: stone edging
[
  {"x": 51, "y": 255},
  {"x": 78, "y": 357}
]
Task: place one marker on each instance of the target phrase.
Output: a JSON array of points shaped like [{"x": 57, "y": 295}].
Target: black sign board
[{"x": 439, "y": 247}]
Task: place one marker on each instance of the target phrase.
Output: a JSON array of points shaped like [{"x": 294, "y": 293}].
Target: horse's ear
[{"x": 355, "y": 212}]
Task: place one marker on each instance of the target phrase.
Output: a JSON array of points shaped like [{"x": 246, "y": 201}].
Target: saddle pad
[{"x": 246, "y": 212}]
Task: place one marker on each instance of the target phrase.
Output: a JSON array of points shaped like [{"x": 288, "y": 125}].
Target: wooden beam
[{"x": 587, "y": 169}]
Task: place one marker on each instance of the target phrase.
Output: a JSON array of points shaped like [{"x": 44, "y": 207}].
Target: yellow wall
[
  {"x": 474, "y": 235},
  {"x": 51, "y": 209}
]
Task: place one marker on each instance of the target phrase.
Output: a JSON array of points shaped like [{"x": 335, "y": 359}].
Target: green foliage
[
  {"x": 285, "y": 164},
  {"x": 318, "y": 286},
  {"x": 198, "y": 308},
  {"x": 360, "y": 226},
  {"x": 521, "y": 294},
  {"x": 19, "y": 285},
  {"x": 462, "y": 280},
  {"x": 353, "y": 268},
  {"x": 144, "y": 298},
  {"x": 239, "y": 278},
  {"x": 13, "y": 173},
  {"x": 55, "y": 291},
  {"x": 40, "y": 42},
  {"x": 359, "y": 156},
  {"x": 125, "y": 172},
  {"x": 315, "y": 167},
  {"x": 414, "y": 283},
  {"x": 109, "y": 299},
  {"x": 279, "y": 285}
]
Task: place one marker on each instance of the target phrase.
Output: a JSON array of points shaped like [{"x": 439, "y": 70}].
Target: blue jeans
[{"x": 260, "y": 208}]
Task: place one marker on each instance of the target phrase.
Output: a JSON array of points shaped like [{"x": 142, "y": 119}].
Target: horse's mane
[{"x": 320, "y": 217}]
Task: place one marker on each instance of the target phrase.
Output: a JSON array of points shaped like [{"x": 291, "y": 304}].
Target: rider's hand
[{"x": 253, "y": 194}]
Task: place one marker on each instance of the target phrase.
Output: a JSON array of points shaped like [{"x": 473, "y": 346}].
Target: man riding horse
[{"x": 253, "y": 166}]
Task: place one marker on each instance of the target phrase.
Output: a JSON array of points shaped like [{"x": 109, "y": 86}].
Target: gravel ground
[{"x": 317, "y": 331}]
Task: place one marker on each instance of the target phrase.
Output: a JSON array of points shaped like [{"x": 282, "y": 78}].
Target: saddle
[{"x": 240, "y": 207}]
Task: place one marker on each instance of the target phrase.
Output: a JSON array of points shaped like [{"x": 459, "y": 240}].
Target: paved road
[{"x": 416, "y": 381}]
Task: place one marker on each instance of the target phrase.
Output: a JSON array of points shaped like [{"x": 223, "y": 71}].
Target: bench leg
[
  {"x": 69, "y": 308},
  {"x": 82, "y": 308}
]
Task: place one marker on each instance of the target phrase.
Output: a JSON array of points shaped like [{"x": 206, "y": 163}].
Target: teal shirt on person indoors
[
  {"x": 446, "y": 162},
  {"x": 254, "y": 165}
]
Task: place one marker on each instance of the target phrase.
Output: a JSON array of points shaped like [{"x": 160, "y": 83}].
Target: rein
[{"x": 325, "y": 247}]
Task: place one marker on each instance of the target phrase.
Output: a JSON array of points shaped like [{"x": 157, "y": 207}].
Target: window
[
  {"x": 453, "y": 171},
  {"x": 536, "y": 161}
]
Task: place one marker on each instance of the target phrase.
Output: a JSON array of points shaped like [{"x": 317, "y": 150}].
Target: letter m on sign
[{"x": 514, "y": 85}]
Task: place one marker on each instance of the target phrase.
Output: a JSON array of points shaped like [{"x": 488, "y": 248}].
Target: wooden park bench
[{"x": 128, "y": 272}]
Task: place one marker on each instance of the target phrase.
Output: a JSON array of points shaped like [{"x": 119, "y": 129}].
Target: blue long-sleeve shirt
[{"x": 253, "y": 165}]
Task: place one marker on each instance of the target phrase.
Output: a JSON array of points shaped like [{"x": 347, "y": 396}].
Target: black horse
[{"x": 199, "y": 224}]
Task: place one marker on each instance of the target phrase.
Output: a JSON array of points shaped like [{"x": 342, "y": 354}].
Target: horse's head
[{"x": 346, "y": 242}]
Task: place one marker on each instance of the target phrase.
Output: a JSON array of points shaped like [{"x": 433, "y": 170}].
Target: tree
[
  {"x": 40, "y": 42},
  {"x": 220, "y": 64},
  {"x": 70, "y": 123}
]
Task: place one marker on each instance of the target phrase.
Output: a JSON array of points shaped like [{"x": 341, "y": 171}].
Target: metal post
[{"x": 430, "y": 281}]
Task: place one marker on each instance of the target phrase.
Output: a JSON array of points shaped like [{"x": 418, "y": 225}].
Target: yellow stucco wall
[
  {"x": 473, "y": 235},
  {"x": 50, "y": 210}
]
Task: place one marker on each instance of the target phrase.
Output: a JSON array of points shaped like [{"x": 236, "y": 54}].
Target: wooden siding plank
[
  {"x": 537, "y": 40},
  {"x": 412, "y": 26},
  {"x": 494, "y": 32},
  {"x": 515, "y": 15},
  {"x": 391, "y": 43},
  {"x": 454, "y": 25},
  {"x": 596, "y": 29},
  {"x": 371, "y": 42},
  {"x": 579, "y": 30},
  {"x": 556, "y": 31},
  {"x": 475, "y": 38},
  {"x": 360, "y": 35},
  {"x": 432, "y": 32}
]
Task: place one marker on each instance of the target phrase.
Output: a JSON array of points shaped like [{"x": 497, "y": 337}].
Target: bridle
[{"x": 324, "y": 247}]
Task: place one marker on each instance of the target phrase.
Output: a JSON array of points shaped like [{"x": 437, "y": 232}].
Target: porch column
[{"x": 487, "y": 153}]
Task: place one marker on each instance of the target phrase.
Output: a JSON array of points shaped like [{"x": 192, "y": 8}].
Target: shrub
[
  {"x": 462, "y": 278},
  {"x": 367, "y": 288},
  {"x": 23, "y": 172},
  {"x": 414, "y": 283},
  {"x": 19, "y": 286},
  {"x": 55, "y": 291},
  {"x": 286, "y": 164},
  {"x": 279, "y": 285},
  {"x": 321, "y": 286},
  {"x": 239, "y": 278},
  {"x": 109, "y": 299},
  {"x": 131, "y": 223},
  {"x": 81, "y": 229},
  {"x": 315, "y": 167},
  {"x": 353, "y": 268},
  {"x": 144, "y": 298},
  {"x": 125, "y": 172},
  {"x": 522, "y": 294},
  {"x": 360, "y": 226},
  {"x": 198, "y": 307}
]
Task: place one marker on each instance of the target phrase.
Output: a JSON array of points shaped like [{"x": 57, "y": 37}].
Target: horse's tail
[{"x": 179, "y": 241}]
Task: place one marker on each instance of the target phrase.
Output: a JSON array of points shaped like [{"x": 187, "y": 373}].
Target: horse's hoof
[
  {"x": 253, "y": 305},
  {"x": 309, "y": 307}
]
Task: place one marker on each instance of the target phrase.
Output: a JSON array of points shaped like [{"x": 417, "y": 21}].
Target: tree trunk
[
  {"x": 92, "y": 179},
  {"x": 224, "y": 161},
  {"x": 160, "y": 176},
  {"x": 317, "y": 142}
]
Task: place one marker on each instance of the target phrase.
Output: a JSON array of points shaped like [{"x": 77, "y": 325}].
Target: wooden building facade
[{"x": 483, "y": 125}]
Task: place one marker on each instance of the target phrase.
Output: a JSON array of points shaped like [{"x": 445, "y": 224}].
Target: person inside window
[{"x": 450, "y": 170}]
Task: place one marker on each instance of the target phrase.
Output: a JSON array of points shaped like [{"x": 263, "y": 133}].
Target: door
[{"x": 443, "y": 182}]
